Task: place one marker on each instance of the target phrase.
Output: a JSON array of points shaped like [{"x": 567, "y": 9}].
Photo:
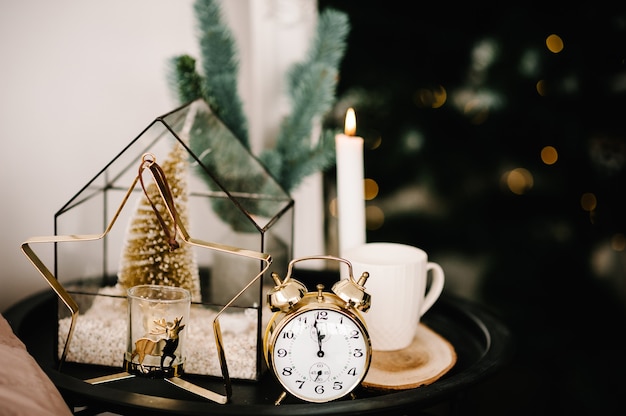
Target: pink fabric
[{"x": 25, "y": 389}]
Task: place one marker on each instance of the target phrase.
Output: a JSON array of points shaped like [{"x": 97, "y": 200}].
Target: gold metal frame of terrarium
[{"x": 147, "y": 161}]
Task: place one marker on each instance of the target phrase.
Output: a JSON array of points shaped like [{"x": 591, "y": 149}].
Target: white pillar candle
[{"x": 350, "y": 187}]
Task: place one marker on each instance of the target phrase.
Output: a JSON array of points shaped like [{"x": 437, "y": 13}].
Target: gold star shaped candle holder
[{"x": 115, "y": 234}]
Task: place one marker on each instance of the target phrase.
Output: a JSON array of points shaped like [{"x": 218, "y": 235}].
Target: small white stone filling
[{"x": 100, "y": 337}]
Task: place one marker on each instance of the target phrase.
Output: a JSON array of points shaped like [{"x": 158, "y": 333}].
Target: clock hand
[{"x": 320, "y": 336}]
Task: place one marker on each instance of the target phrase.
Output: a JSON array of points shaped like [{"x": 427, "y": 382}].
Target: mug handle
[{"x": 436, "y": 286}]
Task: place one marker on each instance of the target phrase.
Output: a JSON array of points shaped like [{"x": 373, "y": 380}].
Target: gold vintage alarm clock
[{"x": 316, "y": 343}]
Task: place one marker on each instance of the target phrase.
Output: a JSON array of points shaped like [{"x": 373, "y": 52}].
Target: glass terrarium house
[{"x": 223, "y": 195}]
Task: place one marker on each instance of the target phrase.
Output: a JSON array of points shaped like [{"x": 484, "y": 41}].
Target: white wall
[{"x": 79, "y": 79}]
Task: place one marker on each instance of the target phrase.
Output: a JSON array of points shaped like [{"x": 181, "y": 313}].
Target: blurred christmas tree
[
  {"x": 461, "y": 108},
  {"x": 146, "y": 256}
]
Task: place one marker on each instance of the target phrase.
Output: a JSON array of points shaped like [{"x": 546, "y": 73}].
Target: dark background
[{"x": 549, "y": 267}]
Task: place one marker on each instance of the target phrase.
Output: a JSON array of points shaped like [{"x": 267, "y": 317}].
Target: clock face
[{"x": 320, "y": 355}]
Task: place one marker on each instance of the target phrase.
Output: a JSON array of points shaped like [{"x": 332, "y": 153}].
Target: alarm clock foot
[{"x": 280, "y": 398}]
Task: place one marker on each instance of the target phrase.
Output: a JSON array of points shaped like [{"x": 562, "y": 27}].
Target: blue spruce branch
[
  {"x": 311, "y": 85},
  {"x": 220, "y": 67}
]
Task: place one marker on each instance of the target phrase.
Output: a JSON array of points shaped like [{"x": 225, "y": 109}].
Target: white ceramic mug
[{"x": 403, "y": 285}]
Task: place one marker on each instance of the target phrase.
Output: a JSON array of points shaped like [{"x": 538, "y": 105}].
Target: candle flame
[{"x": 350, "y": 126}]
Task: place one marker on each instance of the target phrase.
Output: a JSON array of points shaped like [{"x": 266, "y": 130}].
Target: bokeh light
[
  {"x": 518, "y": 180},
  {"x": 541, "y": 87},
  {"x": 588, "y": 201},
  {"x": 554, "y": 43},
  {"x": 618, "y": 242},
  {"x": 431, "y": 97},
  {"x": 549, "y": 155},
  {"x": 371, "y": 189},
  {"x": 374, "y": 217}
]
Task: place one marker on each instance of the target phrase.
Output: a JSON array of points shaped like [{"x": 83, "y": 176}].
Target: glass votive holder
[{"x": 157, "y": 316}]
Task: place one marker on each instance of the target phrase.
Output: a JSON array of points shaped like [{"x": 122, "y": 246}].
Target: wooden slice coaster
[{"x": 428, "y": 358}]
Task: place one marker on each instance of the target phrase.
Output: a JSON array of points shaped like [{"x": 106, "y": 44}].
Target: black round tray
[{"x": 482, "y": 343}]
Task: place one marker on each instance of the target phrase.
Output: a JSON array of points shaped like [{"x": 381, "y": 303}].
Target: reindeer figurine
[{"x": 164, "y": 347}]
